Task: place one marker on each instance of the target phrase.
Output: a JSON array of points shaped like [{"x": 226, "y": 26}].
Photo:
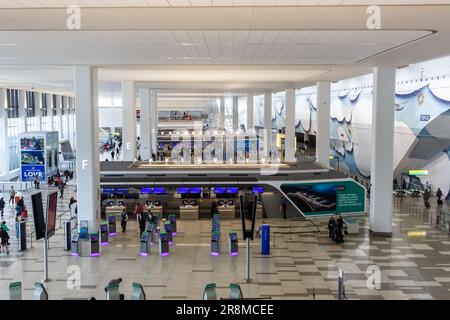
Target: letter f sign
[{"x": 84, "y": 164}]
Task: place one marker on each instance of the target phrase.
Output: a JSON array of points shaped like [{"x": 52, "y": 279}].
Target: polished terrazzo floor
[{"x": 301, "y": 265}]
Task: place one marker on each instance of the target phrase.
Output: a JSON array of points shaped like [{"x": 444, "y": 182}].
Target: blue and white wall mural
[{"x": 422, "y": 122}]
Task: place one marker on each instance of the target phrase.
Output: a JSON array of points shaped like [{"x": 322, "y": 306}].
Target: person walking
[
  {"x": 142, "y": 224},
  {"x": 112, "y": 155},
  {"x": 2, "y": 207},
  {"x": 61, "y": 190},
  {"x": 439, "y": 195},
  {"x": 123, "y": 220},
  {"x": 4, "y": 237},
  {"x": 12, "y": 195},
  {"x": 71, "y": 203}
]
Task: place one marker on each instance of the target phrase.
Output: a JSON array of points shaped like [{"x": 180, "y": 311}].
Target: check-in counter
[
  {"x": 188, "y": 212},
  {"x": 114, "y": 211},
  {"x": 351, "y": 225},
  {"x": 227, "y": 212},
  {"x": 154, "y": 210},
  {"x": 259, "y": 211}
]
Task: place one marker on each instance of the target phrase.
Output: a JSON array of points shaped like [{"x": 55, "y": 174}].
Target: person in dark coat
[{"x": 331, "y": 224}]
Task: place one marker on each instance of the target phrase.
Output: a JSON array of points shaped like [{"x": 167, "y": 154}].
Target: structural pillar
[
  {"x": 88, "y": 165},
  {"x": 235, "y": 113},
  {"x": 323, "y": 124},
  {"x": 67, "y": 115},
  {"x": 250, "y": 126},
  {"x": 267, "y": 125},
  {"x": 221, "y": 124},
  {"x": 290, "y": 141},
  {"x": 50, "y": 108},
  {"x": 145, "y": 149},
  {"x": 22, "y": 111},
  {"x": 382, "y": 151},
  {"x": 38, "y": 109},
  {"x": 4, "y": 164},
  {"x": 153, "y": 122},
  {"x": 129, "y": 120}
]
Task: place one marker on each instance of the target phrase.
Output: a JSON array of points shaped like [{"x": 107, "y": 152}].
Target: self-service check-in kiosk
[
  {"x": 233, "y": 243},
  {"x": 173, "y": 223},
  {"x": 75, "y": 245},
  {"x": 112, "y": 290},
  {"x": 138, "y": 292},
  {"x": 145, "y": 247},
  {"x": 40, "y": 293},
  {"x": 103, "y": 229},
  {"x": 15, "y": 291},
  {"x": 67, "y": 235},
  {"x": 163, "y": 244},
  {"x": 22, "y": 236},
  {"x": 112, "y": 225},
  {"x": 168, "y": 229},
  {"x": 94, "y": 245},
  {"x": 151, "y": 229},
  {"x": 210, "y": 292},
  {"x": 215, "y": 243},
  {"x": 235, "y": 292}
]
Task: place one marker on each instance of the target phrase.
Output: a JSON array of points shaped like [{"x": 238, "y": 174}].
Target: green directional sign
[{"x": 327, "y": 198}]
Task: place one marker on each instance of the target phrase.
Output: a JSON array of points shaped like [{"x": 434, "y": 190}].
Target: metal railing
[
  {"x": 312, "y": 224},
  {"x": 18, "y": 185}
]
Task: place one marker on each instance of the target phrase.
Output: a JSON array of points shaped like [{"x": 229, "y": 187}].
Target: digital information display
[
  {"x": 52, "y": 202},
  {"x": 327, "y": 198}
]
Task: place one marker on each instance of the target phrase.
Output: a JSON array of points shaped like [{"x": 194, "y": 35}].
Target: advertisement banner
[
  {"x": 28, "y": 173},
  {"x": 327, "y": 198}
]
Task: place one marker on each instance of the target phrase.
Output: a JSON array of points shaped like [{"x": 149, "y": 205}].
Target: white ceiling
[
  {"x": 198, "y": 46},
  {"x": 203, "y": 3}
]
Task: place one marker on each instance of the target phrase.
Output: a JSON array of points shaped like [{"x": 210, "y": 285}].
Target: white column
[
  {"x": 74, "y": 117},
  {"x": 145, "y": 150},
  {"x": 221, "y": 123},
  {"x": 235, "y": 113},
  {"x": 50, "y": 107},
  {"x": 4, "y": 164},
  {"x": 267, "y": 124},
  {"x": 60, "y": 117},
  {"x": 290, "y": 141},
  {"x": 22, "y": 112},
  {"x": 323, "y": 124},
  {"x": 88, "y": 165},
  {"x": 250, "y": 113},
  {"x": 129, "y": 120},
  {"x": 381, "y": 169},
  {"x": 67, "y": 120},
  {"x": 154, "y": 122},
  {"x": 38, "y": 110}
]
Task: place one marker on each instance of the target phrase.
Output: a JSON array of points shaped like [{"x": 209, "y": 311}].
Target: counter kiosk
[
  {"x": 75, "y": 246},
  {"x": 168, "y": 230},
  {"x": 163, "y": 244},
  {"x": 15, "y": 291},
  {"x": 233, "y": 243},
  {"x": 145, "y": 247},
  {"x": 84, "y": 230},
  {"x": 112, "y": 224},
  {"x": 94, "y": 245},
  {"x": 40, "y": 293},
  {"x": 138, "y": 292},
  {"x": 173, "y": 223},
  {"x": 104, "y": 240},
  {"x": 215, "y": 243},
  {"x": 151, "y": 229}
]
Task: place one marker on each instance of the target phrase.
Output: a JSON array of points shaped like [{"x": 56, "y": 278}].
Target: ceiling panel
[
  {"x": 203, "y": 3},
  {"x": 180, "y": 46}
]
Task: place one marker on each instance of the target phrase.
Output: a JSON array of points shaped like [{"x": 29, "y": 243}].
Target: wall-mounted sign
[{"x": 424, "y": 117}]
